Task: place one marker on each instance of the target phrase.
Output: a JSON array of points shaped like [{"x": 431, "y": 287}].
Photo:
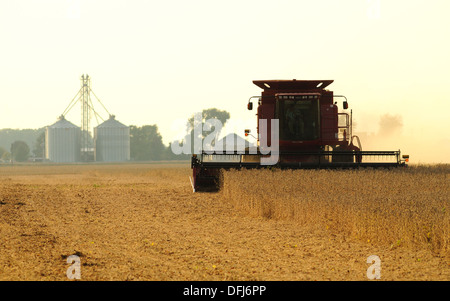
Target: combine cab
[{"x": 299, "y": 126}]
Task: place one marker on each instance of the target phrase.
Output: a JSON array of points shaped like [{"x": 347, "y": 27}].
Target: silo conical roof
[
  {"x": 63, "y": 123},
  {"x": 112, "y": 123}
]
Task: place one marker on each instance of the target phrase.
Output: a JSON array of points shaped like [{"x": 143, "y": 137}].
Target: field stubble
[{"x": 143, "y": 222}]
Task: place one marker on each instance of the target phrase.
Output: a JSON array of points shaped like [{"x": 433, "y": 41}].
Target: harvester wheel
[{"x": 206, "y": 179}]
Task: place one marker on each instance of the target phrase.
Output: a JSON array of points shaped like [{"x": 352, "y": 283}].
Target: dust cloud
[
  {"x": 390, "y": 125},
  {"x": 423, "y": 146}
]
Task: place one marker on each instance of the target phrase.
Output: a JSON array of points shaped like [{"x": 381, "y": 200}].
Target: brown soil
[{"x": 143, "y": 222}]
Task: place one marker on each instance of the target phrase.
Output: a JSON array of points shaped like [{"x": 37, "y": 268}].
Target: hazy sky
[{"x": 158, "y": 62}]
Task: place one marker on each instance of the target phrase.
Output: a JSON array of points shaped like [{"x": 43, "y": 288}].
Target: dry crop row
[{"x": 407, "y": 207}]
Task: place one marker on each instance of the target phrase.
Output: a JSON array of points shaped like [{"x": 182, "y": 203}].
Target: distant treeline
[
  {"x": 146, "y": 145},
  {"x": 9, "y": 136}
]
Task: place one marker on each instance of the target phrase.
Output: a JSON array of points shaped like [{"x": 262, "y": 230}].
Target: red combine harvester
[{"x": 310, "y": 133}]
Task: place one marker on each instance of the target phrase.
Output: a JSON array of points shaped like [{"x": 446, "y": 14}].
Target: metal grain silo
[
  {"x": 112, "y": 141},
  {"x": 62, "y": 141}
]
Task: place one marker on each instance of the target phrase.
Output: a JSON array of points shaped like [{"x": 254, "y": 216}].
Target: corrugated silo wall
[
  {"x": 62, "y": 144},
  {"x": 112, "y": 144}
]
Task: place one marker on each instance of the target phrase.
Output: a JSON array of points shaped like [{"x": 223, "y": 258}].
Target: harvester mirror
[
  {"x": 250, "y": 106},
  {"x": 345, "y": 105}
]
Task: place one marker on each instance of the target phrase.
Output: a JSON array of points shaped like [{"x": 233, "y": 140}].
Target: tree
[
  {"x": 4, "y": 154},
  {"x": 146, "y": 143},
  {"x": 207, "y": 114},
  {"x": 20, "y": 151},
  {"x": 221, "y": 115},
  {"x": 38, "y": 149}
]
